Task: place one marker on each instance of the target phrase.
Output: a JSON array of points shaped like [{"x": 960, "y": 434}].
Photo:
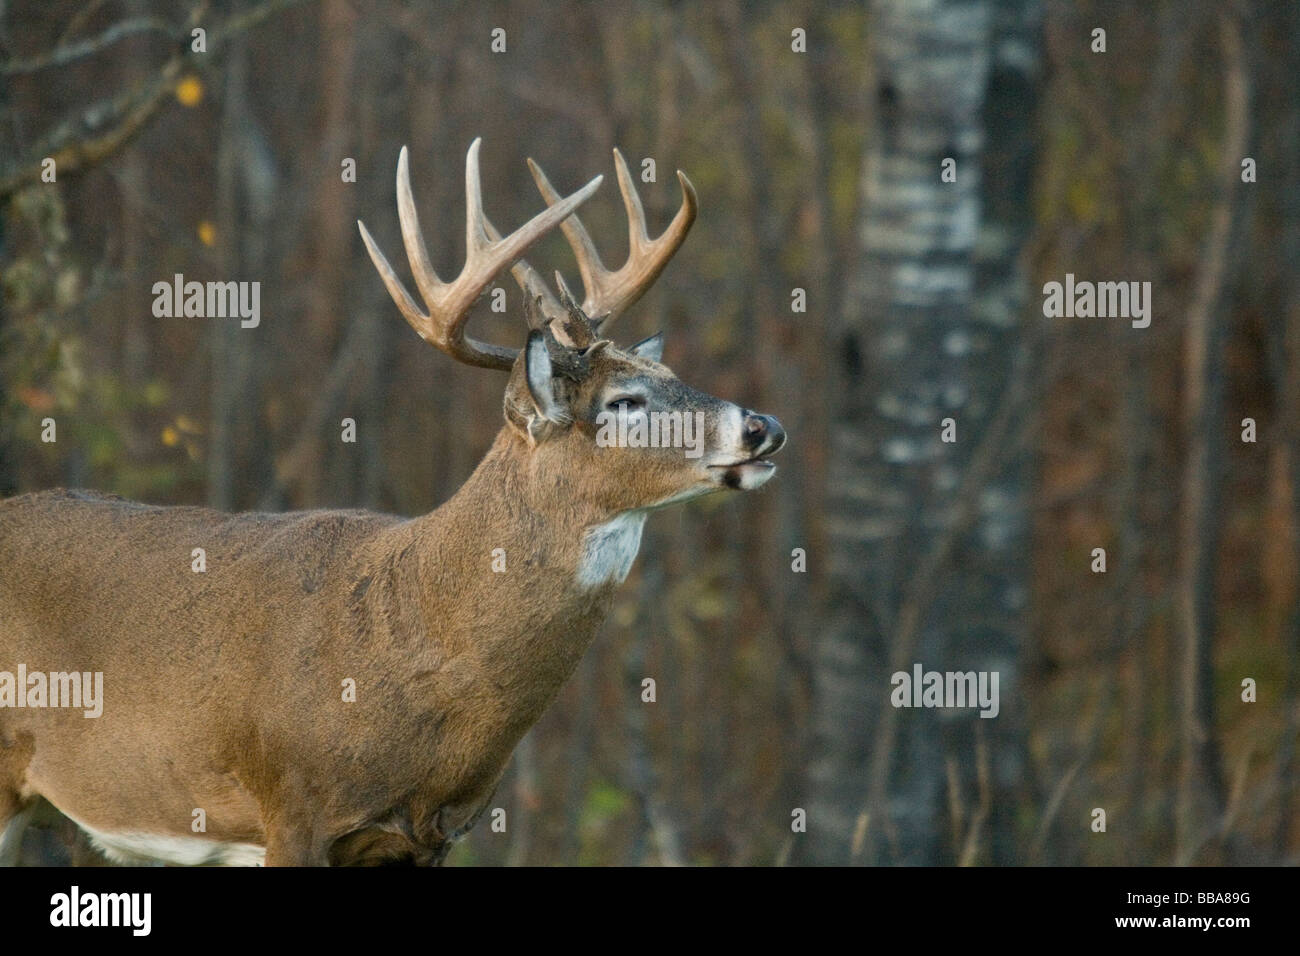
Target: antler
[
  {"x": 608, "y": 293},
  {"x": 486, "y": 255}
]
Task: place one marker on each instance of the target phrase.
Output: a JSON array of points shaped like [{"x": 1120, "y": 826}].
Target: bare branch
[
  {"x": 126, "y": 116},
  {"x": 115, "y": 121},
  {"x": 71, "y": 52}
]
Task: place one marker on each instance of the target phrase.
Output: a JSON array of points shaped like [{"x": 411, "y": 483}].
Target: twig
[
  {"x": 69, "y": 53},
  {"x": 129, "y": 113},
  {"x": 1053, "y": 808},
  {"x": 970, "y": 852},
  {"x": 123, "y": 116}
]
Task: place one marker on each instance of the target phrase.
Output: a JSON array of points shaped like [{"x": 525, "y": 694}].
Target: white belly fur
[{"x": 136, "y": 846}]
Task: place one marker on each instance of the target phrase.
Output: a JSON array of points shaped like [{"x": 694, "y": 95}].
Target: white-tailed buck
[{"x": 346, "y": 687}]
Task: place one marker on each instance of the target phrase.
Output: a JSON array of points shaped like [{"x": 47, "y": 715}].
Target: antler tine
[
  {"x": 412, "y": 236},
  {"x": 535, "y": 288},
  {"x": 475, "y": 236},
  {"x": 609, "y": 293},
  {"x": 531, "y": 282},
  {"x": 584, "y": 250},
  {"x": 487, "y": 253}
]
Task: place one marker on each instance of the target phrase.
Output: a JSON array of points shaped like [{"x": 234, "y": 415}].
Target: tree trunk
[
  {"x": 1200, "y": 801},
  {"x": 927, "y": 539},
  {"x": 8, "y": 462},
  {"x": 238, "y": 457}
]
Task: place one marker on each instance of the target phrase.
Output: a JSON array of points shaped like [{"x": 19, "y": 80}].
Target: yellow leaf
[
  {"x": 170, "y": 437},
  {"x": 207, "y": 233},
  {"x": 189, "y": 91},
  {"x": 1082, "y": 201}
]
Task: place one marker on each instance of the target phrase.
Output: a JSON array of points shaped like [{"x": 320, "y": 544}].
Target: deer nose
[{"x": 763, "y": 433}]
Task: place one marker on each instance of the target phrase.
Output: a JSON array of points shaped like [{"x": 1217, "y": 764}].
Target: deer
[{"x": 228, "y": 733}]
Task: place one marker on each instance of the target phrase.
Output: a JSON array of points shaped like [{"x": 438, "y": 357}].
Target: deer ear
[
  {"x": 651, "y": 348},
  {"x": 537, "y": 376}
]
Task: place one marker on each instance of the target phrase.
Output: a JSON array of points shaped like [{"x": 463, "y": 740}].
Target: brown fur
[{"x": 223, "y": 690}]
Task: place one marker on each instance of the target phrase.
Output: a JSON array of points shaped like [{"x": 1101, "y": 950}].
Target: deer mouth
[
  {"x": 745, "y": 475},
  {"x": 757, "y": 461}
]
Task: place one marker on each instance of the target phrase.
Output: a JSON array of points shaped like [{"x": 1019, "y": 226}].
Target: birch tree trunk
[{"x": 927, "y": 538}]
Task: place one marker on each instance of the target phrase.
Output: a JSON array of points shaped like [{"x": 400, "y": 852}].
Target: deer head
[{"x": 635, "y": 435}]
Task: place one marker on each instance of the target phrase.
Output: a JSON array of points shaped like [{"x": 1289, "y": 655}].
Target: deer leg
[
  {"x": 13, "y": 822},
  {"x": 292, "y": 850},
  {"x": 15, "y": 810},
  {"x": 295, "y": 843}
]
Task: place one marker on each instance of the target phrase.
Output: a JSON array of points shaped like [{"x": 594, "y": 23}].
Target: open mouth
[
  {"x": 744, "y": 475},
  {"x": 750, "y": 473}
]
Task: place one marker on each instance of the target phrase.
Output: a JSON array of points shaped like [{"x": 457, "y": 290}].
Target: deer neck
[{"x": 516, "y": 572}]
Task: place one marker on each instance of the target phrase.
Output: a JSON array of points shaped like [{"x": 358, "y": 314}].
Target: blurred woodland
[{"x": 818, "y": 169}]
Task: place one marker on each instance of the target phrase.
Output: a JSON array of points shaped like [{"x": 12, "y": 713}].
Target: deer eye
[{"x": 626, "y": 403}]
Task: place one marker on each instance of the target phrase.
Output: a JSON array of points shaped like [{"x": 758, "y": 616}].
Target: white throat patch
[{"x": 609, "y": 549}]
